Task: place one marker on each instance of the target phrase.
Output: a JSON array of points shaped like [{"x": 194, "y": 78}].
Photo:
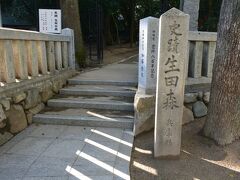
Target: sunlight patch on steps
[{"x": 100, "y": 116}]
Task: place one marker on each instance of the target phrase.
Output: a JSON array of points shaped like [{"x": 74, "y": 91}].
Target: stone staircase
[{"x": 95, "y": 103}]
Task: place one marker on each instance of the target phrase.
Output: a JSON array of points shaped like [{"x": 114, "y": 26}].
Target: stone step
[
  {"x": 94, "y": 98},
  {"x": 101, "y": 82},
  {"x": 74, "y": 120},
  {"x": 99, "y": 90},
  {"x": 91, "y": 103},
  {"x": 88, "y": 112}
]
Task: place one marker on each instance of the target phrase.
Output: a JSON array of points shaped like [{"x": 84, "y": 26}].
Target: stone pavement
[{"x": 67, "y": 152}]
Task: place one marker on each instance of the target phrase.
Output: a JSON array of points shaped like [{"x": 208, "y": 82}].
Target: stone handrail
[
  {"x": 202, "y": 36},
  {"x": 199, "y": 64},
  {"x": 202, "y": 47},
  {"x": 27, "y": 54}
]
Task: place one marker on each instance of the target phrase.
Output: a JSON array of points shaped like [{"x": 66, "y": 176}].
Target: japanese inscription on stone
[
  {"x": 148, "y": 52},
  {"x": 170, "y": 83},
  {"x": 171, "y": 78}
]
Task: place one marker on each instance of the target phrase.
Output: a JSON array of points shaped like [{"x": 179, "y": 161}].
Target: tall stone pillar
[
  {"x": 191, "y": 7},
  {"x": 173, "y": 48}
]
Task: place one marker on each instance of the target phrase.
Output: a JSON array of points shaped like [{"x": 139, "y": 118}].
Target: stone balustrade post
[{"x": 71, "y": 47}]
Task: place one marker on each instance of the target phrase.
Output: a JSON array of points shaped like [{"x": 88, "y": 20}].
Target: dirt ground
[
  {"x": 200, "y": 158},
  {"x": 118, "y": 52},
  {"x": 115, "y": 53}
]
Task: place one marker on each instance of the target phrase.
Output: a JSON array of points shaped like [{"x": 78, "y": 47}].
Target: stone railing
[
  {"x": 201, "y": 54},
  {"x": 27, "y": 54},
  {"x": 198, "y": 71},
  {"x": 202, "y": 46},
  {"x": 33, "y": 67}
]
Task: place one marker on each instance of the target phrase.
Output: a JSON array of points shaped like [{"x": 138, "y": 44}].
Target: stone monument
[
  {"x": 144, "y": 103},
  {"x": 148, "y": 46},
  {"x": 173, "y": 55}
]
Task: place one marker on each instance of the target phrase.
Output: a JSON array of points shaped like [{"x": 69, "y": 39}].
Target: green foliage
[
  {"x": 209, "y": 14},
  {"x": 174, "y": 3},
  {"x": 145, "y": 8},
  {"x": 26, "y": 9},
  {"x": 120, "y": 16}
]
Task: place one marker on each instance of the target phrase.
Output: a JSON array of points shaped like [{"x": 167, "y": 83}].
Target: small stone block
[{"x": 199, "y": 109}]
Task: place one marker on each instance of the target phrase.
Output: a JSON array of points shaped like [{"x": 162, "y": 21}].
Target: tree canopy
[{"x": 121, "y": 17}]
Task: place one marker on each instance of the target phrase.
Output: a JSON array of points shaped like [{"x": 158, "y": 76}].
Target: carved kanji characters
[
  {"x": 173, "y": 29},
  {"x": 170, "y": 122},
  {"x": 153, "y": 48},
  {"x": 171, "y": 81},
  {"x": 171, "y": 101},
  {"x": 168, "y": 133},
  {"x": 153, "y": 35},
  {"x": 171, "y": 62},
  {"x": 168, "y": 142},
  {"x": 173, "y": 45}
]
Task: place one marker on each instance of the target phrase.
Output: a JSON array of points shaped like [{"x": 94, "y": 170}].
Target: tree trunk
[
  {"x": 116, "y": 29},
  {"x": 71, "y": 19},
  {"x": 223, "y": 120},
  {"x": 108, "y": 38},
  {"x": 132, "y": 27}
]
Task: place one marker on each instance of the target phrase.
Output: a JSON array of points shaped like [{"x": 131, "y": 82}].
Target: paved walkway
[
  {"x": 123, "y": 71},
  {"x": 67, "y": 152},
  {"x": 62, "y": 152}
]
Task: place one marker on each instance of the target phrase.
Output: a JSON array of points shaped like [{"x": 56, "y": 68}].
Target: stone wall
[
  {"x": 19, "y": 102},
  {"x": 195, "y": 106}
]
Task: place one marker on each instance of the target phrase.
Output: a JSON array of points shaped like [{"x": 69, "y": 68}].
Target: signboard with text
[{"x": 50, "y": 21}]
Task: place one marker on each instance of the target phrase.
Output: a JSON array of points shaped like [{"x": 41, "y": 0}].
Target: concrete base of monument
[
  {"x": 146, "y": 91},
  {"x": 144, "y": 107}
]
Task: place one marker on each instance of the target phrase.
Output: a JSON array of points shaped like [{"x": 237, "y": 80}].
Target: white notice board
[{"x": 50, "y": 21}]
